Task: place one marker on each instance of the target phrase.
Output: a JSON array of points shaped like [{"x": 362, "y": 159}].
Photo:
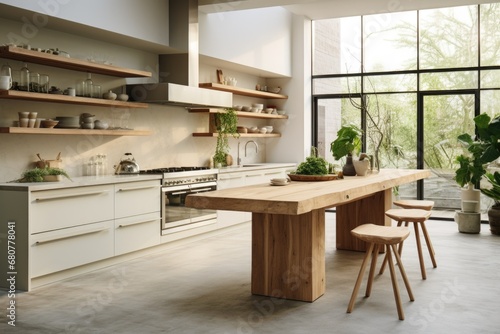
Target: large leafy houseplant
[
  {"x": 480, "y": 152},
  {"x": 348, "y": 140},
  {"x": 493, "y": 192},
  {"x": 226, "y": 124}
]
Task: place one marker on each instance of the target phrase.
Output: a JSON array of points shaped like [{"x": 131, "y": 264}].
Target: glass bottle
[
  {"x": 24, "y": 80},
  {"x": 87, "y": 86}
]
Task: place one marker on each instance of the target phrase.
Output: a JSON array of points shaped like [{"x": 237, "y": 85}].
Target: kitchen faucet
[{"x": 238, "y": 159}]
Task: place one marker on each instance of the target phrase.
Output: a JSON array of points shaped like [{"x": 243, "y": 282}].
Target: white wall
[
  {"x": 258, "y": 38},
  {"x": 145, "y": 20}
]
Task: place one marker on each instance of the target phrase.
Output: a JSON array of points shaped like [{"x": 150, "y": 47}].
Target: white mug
[{"x": 5, "y": 82}]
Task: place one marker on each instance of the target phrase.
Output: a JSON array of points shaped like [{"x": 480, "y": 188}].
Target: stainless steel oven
[{"x": 177, "y": 183}]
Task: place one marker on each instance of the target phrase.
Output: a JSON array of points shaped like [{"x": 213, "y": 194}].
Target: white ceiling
[{"x": 322, "y": 9}]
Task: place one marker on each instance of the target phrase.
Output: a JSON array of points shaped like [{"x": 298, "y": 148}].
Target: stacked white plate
[
  {"x": 68, "y": 122},
  {"x": 280, "y": 182}
]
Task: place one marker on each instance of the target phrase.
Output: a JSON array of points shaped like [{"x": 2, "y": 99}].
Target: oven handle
[
  {"x": 197, "y": 190},
  {"x": 180, "y": 192},
  {"x": 203, "y": 186}
]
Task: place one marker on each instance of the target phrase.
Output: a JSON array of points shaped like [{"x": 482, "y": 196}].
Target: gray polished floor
[{"x": 204, "y": 287}]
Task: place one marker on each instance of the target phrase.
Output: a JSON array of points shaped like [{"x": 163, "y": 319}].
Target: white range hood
[{"x": 179, "y": 72}]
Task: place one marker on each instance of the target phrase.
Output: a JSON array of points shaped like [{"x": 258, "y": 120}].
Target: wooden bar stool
[
  {"x": 417, "y": 217},
  {"x": 377, "y": 236},
  {"x": 415, "y": 204}
]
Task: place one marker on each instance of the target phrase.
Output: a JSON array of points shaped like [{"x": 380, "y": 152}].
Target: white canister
[{"x": 5, "y": 82}]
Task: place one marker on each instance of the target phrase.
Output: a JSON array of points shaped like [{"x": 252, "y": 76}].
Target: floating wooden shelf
[
  {"x": 60, "y": 131},
  {"x": 58, "y": 98},
  {"x": 242, "y": 91},
  {"x": 243, "y": 135},
  {"x": 239, "y": 113},
  {"x": 37, "y": 57}
]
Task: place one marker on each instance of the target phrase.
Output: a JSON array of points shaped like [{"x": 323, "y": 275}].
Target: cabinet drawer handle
[
  {"x": 270, "y": 173},
  {"x": 138, "y": 188},
  {"x": 253, "y": 175},
  {"x": 137, "y": 223},
  {"x": 229, "y": 178},
  {"x": 93, "y": 193},
  {"x": 97, "y": 230}
]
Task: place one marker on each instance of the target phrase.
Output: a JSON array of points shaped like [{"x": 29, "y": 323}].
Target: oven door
[{"x": 176, "y": 216}]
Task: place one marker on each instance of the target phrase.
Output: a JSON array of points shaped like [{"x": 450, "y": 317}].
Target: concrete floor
[{"x": 204, "y": 287}]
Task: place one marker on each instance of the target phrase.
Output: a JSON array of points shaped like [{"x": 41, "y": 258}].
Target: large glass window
[
  {"x": 390, "y": 42},
  {"x": 448, "y": 37},
  {"x": 413, "y": 81}
]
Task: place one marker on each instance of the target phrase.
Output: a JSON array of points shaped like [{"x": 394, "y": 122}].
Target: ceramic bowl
[
  {"x": 258, "y": 105},
  {"x": 263, "y": 130},
  {"x": 255, "y": 109},
  {"x": 87, "y": 125},
  {"x": 122, "y": 97},
  {"x": 274, "y": 90},
  {"x": 281, "y": 112},
  {"x": 268, "y": 110},
  {"x": 246, "y": 108},
  {"x": 237, "y": 108},
  {"x": 48, "y": 123}
]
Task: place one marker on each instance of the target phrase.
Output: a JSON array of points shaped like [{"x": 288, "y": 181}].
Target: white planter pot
[
  {"x": 470, "y": 195},
  {"x": 361, "y": 166},
  {"x": 468, "y": 222}
]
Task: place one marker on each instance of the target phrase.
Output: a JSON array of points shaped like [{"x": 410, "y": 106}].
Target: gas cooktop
[{"x": 172, "y": 170}]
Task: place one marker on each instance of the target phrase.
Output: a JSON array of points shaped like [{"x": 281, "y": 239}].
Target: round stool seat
[
  {"x": 412, "y": 215},
  {"x": 378, "y": 234},
  {"x": 415, "y": 204}
]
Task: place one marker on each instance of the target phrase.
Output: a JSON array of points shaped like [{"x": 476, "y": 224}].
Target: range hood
[{"x": 179, "y": 72}]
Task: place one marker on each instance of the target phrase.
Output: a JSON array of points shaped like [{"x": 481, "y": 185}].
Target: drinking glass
[
  {"x": 87, "y": 86},
  {"x": 44, "y": 83},
  {"x": 34, "y": 82},
  {"x": 96, "y": 91}
]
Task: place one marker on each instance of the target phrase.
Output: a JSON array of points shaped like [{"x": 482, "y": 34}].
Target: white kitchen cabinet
[
  {"x": 224, "y": 217},
  {"x": 70, "y": 247},
  {"x": 60, "y": 208},
  {"x": 136, "y": 198},
  {"x": 57, "y": 229},
  {"x": 137, "y": 232}
]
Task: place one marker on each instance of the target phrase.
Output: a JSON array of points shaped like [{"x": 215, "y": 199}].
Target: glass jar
[
  {"x": 87, "y": 86},
  {"x": 24, "y": 80}
]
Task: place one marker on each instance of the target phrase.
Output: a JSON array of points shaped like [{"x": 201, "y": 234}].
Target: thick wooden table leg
[
  {"x": 288, "y": 255},
  {"x": 370, "y": 209}
]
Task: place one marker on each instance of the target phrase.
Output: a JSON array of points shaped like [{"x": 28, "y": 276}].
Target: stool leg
[
  {"x": 419, "y": 248},
  {"x": 403, "y": 273},
  {"x": 376, "y": 249},
  {"x": 429, "y": 244},
  {"x": 360, "y": 277},
  {"x": 395, "y": 287},
  {"x": 382, "y": 268}
]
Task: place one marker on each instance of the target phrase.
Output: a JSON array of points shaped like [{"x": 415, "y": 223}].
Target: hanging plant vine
[{"x": 226, "y": 124}]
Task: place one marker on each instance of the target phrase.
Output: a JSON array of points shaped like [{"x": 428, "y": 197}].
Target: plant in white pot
[
  {"x": 347, "y": 142},
  {"x": 480, "y": 152}
]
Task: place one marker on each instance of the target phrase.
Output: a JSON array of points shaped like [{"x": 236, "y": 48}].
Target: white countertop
[
  {"x": 80, "y": 181},
  {"x": 256, "y": 166}
]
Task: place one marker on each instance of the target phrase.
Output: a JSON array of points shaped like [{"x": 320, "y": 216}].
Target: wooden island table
[{"x": 288, "y": 225}]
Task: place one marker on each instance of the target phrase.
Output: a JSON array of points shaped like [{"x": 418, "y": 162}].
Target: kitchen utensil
[{"x": 127, "y": 165}]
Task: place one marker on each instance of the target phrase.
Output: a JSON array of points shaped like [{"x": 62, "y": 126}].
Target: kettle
[{"x": 127, "y": 165}]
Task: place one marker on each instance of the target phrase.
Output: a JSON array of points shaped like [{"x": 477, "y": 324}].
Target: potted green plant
[
  {"x": 493, "y": 192},
  {"x": 480, "y": 152},
  {"x": 226, "y": 124},
  {"x": 43, "y": 174},
  {"x": 347, "y": 142}
]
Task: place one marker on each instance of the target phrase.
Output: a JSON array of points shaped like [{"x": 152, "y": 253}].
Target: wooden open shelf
[
  {"x": 37, "y": 57},
  {"x": 239, "y": 113},
  {"x": 243, "y": 135},
  {"x": 58, "y": 98},
  {"x": 60, "y": 131},
  {"x": 242, "y": 91}
]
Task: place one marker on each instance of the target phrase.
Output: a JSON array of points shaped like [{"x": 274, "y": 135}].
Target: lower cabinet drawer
[
  {"x": 70, "y": 247},
  {"x": 137, "y": 232},
  {"x": 62, "y": 208},
  {"x": 136, "y": 198}
]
